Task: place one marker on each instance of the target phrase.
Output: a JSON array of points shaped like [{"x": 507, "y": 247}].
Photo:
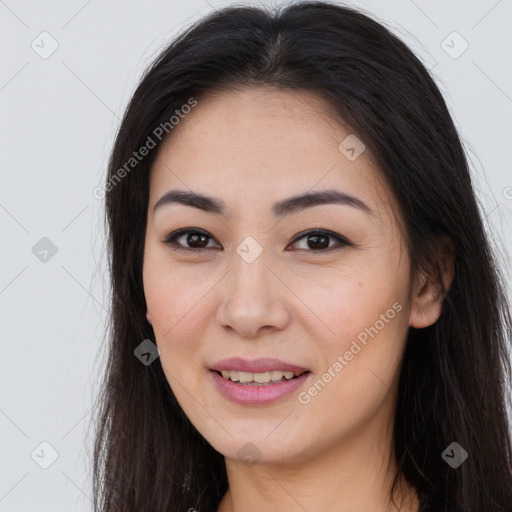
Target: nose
[{"x": 255, "y": 298}]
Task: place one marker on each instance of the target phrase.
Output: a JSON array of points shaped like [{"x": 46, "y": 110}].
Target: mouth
[
  {"x": 258, "y": 381},
  {"x": 259, "y": 378}
]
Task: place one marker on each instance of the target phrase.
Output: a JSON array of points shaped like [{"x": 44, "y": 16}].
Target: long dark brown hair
[{"x": 455, "y": 374}]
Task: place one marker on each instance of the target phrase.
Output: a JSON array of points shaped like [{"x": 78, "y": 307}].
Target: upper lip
[{"x": 261, "y": 365}]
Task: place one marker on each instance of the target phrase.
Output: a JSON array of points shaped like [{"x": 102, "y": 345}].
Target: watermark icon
[
  {"x": 45, "y": 45},
  {"x": 44, "y": 250},
  {"x": 249, "y": 250},
  {"x": 147, "y": 352},
  {"x": 351, "y": 147},
  {"x": 454, "y": 45},
  {"x": 249, "y": 453},
  {"x": 454, "y": 455},
  {"x": 44, "y": 455},
  {"x": 507, "y": 192},
  {"x": 305, "y": 397},
  {"x": 158, "y": 133}
]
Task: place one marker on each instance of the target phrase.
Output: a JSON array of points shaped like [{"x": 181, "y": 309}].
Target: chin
[{"x": 258, "y": 448}]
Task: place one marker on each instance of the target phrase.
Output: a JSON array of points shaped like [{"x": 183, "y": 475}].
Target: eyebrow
[{"x": 280, "y": 209}]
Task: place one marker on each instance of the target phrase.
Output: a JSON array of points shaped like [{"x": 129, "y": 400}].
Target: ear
[
  {"x": 148, "y": 316},
  {"x": 428, "y": 292}
]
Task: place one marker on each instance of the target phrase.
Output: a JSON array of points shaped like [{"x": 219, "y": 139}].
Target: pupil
[
  {"x": 315, "y": 239},
  {"x": 195, "y": 236}
]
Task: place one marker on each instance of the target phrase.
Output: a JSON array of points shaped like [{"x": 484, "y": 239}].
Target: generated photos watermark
[
  {"x": 342, "y": 360},
  {"x": 158, "y": 133}
]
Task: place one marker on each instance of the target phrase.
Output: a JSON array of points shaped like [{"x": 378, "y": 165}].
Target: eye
[
  {"x": 197, "y": 238},
  {"x": 319, "y": 240}
]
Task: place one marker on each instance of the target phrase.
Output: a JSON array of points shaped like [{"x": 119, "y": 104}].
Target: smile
[
  {"x": 251, "y": 392},
  {"x": 260, "y": 378}
]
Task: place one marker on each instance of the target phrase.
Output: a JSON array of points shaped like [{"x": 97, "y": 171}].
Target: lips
[
  {"x": 260, "y": 365},
  {"x": 258, "y": 381},
  {"x": 252, "y": 394}
]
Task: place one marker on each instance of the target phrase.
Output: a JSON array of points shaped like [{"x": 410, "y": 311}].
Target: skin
[{"x": 251, "y": 148}]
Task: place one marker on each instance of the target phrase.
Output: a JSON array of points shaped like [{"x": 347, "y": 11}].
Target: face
[{"x": 310, "y": 285}]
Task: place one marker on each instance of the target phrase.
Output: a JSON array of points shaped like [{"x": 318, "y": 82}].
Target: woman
[{"x": 306, "y": 312}]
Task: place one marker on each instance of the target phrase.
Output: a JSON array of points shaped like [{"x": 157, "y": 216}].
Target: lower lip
[{"x": 248, "y": 394}]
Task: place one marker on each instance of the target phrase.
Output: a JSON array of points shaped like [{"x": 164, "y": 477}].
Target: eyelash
[{"x": 171, "y": 238}]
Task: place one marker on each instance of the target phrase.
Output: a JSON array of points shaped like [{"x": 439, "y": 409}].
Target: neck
[{"x": 356, "y": 474}]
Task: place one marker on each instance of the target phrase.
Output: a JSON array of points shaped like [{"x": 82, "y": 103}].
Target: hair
[{"x": 147, "y": 454}]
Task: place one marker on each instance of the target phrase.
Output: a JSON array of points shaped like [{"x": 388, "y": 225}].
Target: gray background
[{"x": 58, "y": 118}]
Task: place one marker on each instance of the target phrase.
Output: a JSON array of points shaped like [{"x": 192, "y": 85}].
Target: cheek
[
  {"x": 345, "y": 302},
  {"x": 360, "y": 367},
  {"x": 178, "y": 306},
  {"x": 367, "y": 327}
]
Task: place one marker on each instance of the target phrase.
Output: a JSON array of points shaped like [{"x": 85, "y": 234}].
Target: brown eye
[
  {"x": 191, "y": 239},
  {"x": 198, "y": 240},
  {"x": 319, "y": 241}
]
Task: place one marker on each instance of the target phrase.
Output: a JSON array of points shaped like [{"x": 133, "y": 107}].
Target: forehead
[
  {"x": 256, "y": 119},
  {"x": 261, "y": 142}
]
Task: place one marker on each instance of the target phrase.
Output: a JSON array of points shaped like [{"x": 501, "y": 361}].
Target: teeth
[
  {"x": 245, "y": 377},
  {"x": 259, "y": 378}
]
